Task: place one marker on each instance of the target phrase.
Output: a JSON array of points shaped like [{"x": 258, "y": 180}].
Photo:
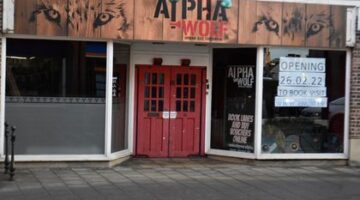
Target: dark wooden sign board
[{"x": 246, "y": 22}]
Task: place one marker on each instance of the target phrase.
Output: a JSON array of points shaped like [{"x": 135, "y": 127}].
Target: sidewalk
[{"x": 189, "y": 179}]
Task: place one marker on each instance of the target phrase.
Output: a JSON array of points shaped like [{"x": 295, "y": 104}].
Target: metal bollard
[
  {"x": 12, "y": 162},
  {"x": 6, "y": 162}
]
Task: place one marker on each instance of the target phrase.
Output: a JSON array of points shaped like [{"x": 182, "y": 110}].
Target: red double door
[{"x": 169, "y": 106}]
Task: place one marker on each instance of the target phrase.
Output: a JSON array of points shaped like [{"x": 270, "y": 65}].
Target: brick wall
[{"x": 355, "y": 91}]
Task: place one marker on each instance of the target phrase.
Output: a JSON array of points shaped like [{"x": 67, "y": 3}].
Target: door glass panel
[
  {"x": 153, "y": 92},
  {"x": 161, "y": 79},
  {"x": 185, "y": 106},
  {"x": 178, "y": 79},
  {"x": 178, "y": 92},
  {"x": 186, "y": 79},
  {"x": 193, "y": 79},
  {"x": 146, "y": 105},
  {"x": 153, "y": 106},
  {"x": 178, "y": 106},
  {"x": 192, "y": 93},
  {"x": 161, "y": 92},
  {"x": 147, "y": 78},
  {"x": 186, "y": 93},
  {"x": 147, "y": 92},
  {"x": 154, "y": 78}
]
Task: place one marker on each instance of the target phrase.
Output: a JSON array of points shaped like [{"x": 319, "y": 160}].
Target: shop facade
[{"x": 105, "y": 80}]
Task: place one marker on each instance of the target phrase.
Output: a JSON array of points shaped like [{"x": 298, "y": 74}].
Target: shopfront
[{"x": 100, "y": 81}]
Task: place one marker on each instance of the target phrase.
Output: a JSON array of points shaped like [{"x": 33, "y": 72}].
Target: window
[
  {"x": 303, "y": 101},
  {"x": 121, "y": 64},
  {"x": 233, "y": 99},
  {"x": 55, "y": 95}
]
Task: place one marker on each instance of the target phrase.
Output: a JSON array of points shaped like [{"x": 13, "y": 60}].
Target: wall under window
[{"x": 55, "y": 95}]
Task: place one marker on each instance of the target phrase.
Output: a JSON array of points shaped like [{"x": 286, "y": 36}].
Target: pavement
[{"x": 190, "y": 179}]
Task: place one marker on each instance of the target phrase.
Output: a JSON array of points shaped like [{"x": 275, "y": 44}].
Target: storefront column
[
  {"x": 108, "y": 112},
  {"x": 2, "y": 92},
  {"x": 259, "y": 99},
  {"x": 355, "y": 106}
]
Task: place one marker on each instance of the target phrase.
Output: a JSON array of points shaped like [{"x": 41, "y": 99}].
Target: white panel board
[
  {"x": 293, "y": 64},
  {"x": 302, "y": 79},
  {"x": 301, "y": 91},
  {"x": 318, "y": 102}
]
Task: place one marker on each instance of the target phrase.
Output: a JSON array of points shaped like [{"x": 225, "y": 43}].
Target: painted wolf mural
[{"x": 79, "y": 13}]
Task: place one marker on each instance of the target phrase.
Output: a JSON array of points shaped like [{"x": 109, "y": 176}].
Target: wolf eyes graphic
[
  {"x": 270, "y": 24},
  {"x": 51, "y": 12},
  {"x": 317, "y": 22},
  {"x": 81, "y": 11}
]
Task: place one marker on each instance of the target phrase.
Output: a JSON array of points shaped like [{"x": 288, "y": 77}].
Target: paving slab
[{"x": 184, "y": 179}]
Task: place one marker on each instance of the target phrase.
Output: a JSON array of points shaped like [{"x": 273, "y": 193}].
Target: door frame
[{"x": 202, "y": 112}]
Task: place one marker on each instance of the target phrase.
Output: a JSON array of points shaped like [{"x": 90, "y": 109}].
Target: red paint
[
  {"x": 210, "y": 29},
  {"x": 204, "y": 28},
  {"x": 182, "y": 92},
  {"x": 189, "y": 27}
]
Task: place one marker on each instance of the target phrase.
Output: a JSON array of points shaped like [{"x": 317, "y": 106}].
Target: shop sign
[
  {"x": 210, "y": 22},
  {"x": 301, "y": 82},
  {"x": 243, "y": 75}
]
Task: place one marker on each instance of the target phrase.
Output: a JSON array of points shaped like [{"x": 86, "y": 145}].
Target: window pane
[
  {"x": 178, "y": 92},
  {"x": 161, "y": 92},
  {"x": 179, "y": 79},
  {"x": 185, "y": 106},
  {"x": 233, "y": 103},
  {"x": 153, "y": 106},
  {"x": 313, "y": 121},
  {"x": 161, "y": 79},
  {"x": 146, "y": 105},
  {"x": 193, "y": 79},
  {"x": 178, "y": 106},
  {"x": 192, "y": 93},
  {"x": 119, "y": 138},
  {"x": 147, "y": 78},
  {"x": 154, "y": 78},
  {"x": 147, "y": 92},
  {"x": 56, "y": 91},
  {"x": 153, "y": 92},
  {"x": 186, "y": 79},
  {"x": 186, "y": 92}
]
